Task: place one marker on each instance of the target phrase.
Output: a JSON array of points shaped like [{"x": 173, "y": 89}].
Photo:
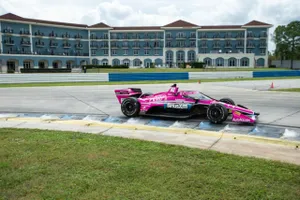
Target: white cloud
[{"x": 157, "y": 12}]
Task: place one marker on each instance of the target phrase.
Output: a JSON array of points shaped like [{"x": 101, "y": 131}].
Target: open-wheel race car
[{"x": 181, "y": 104}]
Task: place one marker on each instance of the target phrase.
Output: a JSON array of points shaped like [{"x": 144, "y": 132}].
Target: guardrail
[{"x": 113, "y": 77}]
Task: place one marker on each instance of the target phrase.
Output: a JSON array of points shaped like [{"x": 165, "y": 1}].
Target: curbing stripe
[{"x": 233, "y": 136}]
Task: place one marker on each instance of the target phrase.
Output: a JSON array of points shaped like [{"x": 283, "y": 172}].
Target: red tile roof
[
  {"x": 100, "y": 25},
  {"x": 181, "y": 23},
  {"x": 178, "y": 23},
  {"x": 11, "y": 16},
  {"x": 257, "y": 23}
]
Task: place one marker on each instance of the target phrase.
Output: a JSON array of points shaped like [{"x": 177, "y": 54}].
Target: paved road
[{"x": 275, "y": 107}]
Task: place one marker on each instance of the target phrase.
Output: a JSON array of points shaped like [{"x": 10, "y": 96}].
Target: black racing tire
[
  {"x": 227, "y": 100},
  {"x": 217, "y": 113},
  {"x": 130, "y": 107}
]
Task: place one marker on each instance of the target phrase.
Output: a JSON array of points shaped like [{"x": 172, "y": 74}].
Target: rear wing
[{"x": 129, "y": 92}]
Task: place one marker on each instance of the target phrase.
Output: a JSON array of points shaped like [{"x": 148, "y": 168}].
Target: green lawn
[
  {"x": 38, "y": 164},
  {"x": 145, "y": 70},
  {"x": 6, "y": 85},
  {"x": 288, "y": 90}
]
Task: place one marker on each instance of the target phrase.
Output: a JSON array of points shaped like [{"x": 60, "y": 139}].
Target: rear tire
[
  {"x": 217, "y": 113},
  {"x": 228, "y": 101},
  {"x": 130, "y": 107}
]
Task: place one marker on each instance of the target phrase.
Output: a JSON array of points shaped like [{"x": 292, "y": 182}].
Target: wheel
[
  {"x": 217, "y": 113},
  {"x": 130, "y": 107},
  {"x": 228, "y": 101}
]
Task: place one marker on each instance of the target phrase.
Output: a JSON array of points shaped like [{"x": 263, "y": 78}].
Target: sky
[{"x": 157, "y": 12}]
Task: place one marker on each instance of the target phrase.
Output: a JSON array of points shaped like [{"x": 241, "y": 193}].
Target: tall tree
[
  {"x": 293, "y": 34},
  {"x": 287, "y": 40}
]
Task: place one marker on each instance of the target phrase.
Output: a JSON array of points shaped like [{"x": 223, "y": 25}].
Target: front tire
[
  {"x": 217, "y": 113},
  {"x": 130, "y": 107},
  {"x": 228, "y": 101}
]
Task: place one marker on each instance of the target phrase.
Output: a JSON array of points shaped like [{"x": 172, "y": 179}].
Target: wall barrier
[
  {"x": 219, "y": 75},
  {"x": 148, "y": 76},
  {"x": 39, "y": 78},
  {"x": 113, "y": 77},
  {"x": 275, "y": 74}
]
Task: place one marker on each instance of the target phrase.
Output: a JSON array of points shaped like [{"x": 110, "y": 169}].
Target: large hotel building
[{"x": 34, "y": 43}]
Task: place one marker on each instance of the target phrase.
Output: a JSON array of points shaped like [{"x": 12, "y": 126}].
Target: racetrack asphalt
[{"x": 277, "y": 108}]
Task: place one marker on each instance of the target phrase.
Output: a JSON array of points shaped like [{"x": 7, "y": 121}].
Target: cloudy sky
[{"x": 157, "y": 12}]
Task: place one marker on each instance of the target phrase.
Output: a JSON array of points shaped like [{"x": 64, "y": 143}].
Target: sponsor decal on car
[
  {"x": 241, "y": 120},
  {"x": 177, "y": 105},
  {"x": 157, "y": 98}
]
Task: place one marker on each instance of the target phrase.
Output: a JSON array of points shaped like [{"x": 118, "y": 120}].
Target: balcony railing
[
  {"x": 78, "y": 36},
  {"x": 78, "y": 46},
  {"x": 52, "y": 34},
  {"x": 40, "y": 44},
  {"x": 136, "y": 46},
  {"x": 26, "y": 33},
  {"x": 9, "y": 42},
  {"x": 25, "y": 43},
  {"x": 38, "y": 33},
  {"x": 66, "y": 35},
  {"x": 93, "y": 37},
  {"x": 9, "y": 31},
  {"x": 53, "y": 44},
  {"x": 262, "y": 45},
  {"x": 239, "y": 46},
  {"x": 94, "y": 46},
  {"x": 180, "y": 37},
  {"x": 66, "y": 45},
  {"x": 263, "y": 35}
]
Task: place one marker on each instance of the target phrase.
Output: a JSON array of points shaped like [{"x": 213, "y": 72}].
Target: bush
[
  {"x": 272, "y": 66},
  {"x": 46, "y": 70},
  {"x": 105, "y": 67},
  {"x": 197, "y": 64},
  {"x": 10, "y": 71}
]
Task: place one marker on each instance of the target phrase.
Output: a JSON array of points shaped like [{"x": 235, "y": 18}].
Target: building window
[
  {"x": 126, "y": 62},
  {"x": 114, "y": 52},
  {"x": 105, "y": 36},
  {"x": 26, "y": 65},
  {"x": 135, "y": 52},
  {"x": 231, "y": 62},
  {"x": 137, "y": 62},
  {"x": 180, "y": 57},
  {"x": 263, "y": 51},
  {"x": 180, "y": 35},
  {"x": 168, "y": 35},
  {"x": 180, "y": 44},
  {"x": 93, "y": 52},
  {"x": 125, "y": 51},
  {"x": 191, "y": 56},
  {"x": 105, "y": 52},
  {"x": 104, "y": 62},
  {"x": 156, "y": 52},
  {"x": 146, "y": 51},
  {"x": 168, "y": 44},
  {"x": 244, "y": 62},
  {"x": 69, "y": 64},
  {"x": 193, "y": 35}
]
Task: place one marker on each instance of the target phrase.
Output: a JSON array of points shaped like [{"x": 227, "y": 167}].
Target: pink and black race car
[{"x": 181, "y": 104}]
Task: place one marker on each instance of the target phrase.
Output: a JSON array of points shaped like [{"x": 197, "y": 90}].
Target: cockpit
[{"x": 195, "y": 95}]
